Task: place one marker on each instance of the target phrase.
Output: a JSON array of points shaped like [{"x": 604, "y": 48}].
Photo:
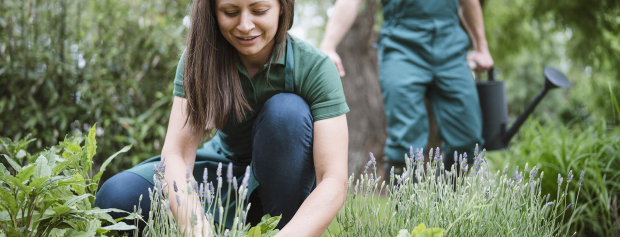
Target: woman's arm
[
  {"x": 330, "y": 148},
  {"x": 180, "y": 151}
]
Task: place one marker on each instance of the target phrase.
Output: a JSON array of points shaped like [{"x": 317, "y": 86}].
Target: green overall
[
  {"x": 316, "y": 81},
  {"x": 421, "y": 52}
]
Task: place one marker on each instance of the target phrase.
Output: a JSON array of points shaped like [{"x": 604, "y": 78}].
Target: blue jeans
[{"x": 282, "y": 163}]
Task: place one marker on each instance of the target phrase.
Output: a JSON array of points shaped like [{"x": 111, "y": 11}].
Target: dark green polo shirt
[{"x": 316, "y": 81}]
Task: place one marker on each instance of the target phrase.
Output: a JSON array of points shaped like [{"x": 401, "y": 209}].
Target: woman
[{"x": 277, "y": 104}]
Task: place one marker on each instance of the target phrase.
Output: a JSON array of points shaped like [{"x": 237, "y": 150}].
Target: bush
[{"x": 68, "y": 64}]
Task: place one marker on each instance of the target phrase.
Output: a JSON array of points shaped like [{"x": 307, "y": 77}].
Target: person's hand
[
  {"x": 336, "y": 58},
  {"x": 481, "y": 60}
]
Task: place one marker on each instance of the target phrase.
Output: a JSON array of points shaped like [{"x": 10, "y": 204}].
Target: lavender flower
[
  {"x": 160, "y": 168},
  {"x": 419, "y": 158},
  {"x": 486, "y": 193},
  {"x": 456, "y": 157},
  {"x": 581, "y": 177},
  {"x": 219, "y": 170},
  {"x": 569, "y": 205},
  {"x": 226, "y": 232},
  {"x": 570, "y": 176},
  {"x": 246, "y": 177},
  {"x": 533, "y": 173},
  {"x": 505, "y": 169},
  {"x": 178, "y": 200},
  {"x": 205, "y": 175},
  {"x": 175, "y": 186},
  {"x": 560, "y": 179},
  {"x": 187, "y": 171},
  {"x": 437, "y": 154},
  {"x": 476, "y": 151},
  {"x": 229, "y": 173},
  {"x": 234, "y": 181}
]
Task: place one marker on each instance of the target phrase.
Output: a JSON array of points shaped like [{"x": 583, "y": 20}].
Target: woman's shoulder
[{"x": 307, "y": 51}]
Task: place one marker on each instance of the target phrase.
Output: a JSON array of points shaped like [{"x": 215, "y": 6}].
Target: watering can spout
[{"x": 553, "y": 79}]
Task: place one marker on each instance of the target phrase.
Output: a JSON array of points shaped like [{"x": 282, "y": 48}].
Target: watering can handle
[{"x": 490, "y": 73}]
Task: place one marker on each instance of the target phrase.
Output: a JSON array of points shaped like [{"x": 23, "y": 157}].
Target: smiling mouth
[{"x": 247, "y": 38}]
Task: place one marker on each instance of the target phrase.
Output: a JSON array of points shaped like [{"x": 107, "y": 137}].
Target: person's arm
[
  {"x": 470, "y": 13},
  {"x": 180, "y": 151},
  {"x": 330, "y": 148},
  {"x": 343, "y": 16}
]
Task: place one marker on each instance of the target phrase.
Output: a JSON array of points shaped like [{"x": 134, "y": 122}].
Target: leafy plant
[{"x": 54, "y": 196}]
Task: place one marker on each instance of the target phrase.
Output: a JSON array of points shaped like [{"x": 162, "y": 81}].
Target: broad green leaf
[
  {"x": 120, "y": 226},
  {"x": 75, "y": 233},
  {"x": 4, "y": 216},
  {"x": 435, "y": 232},
  {"x": 42, "y": 170},
  {"x": 78, "y": 188},
  {"x": 102, "y": 231},
  {"x": 61, "y": 210},
  {"x": 20, "y": 185},
  {"x": 26, "y": 173},
  {"x": 269, "y": 224},
  {"x": 107, "y": 161},
  {"x": 270, "y": 233},
  {"x": 13, "y": 164},
  {"x": 403, "y": 233},
  {"x": 73, "y": 148},
  {"x": 38, "y": 183},
  {"x": 3, "y": 171},
  {"x": 20, "y": 154},
  {"x": 418, "y": 229},
  {"x": 74, "y": 200},
  {"x": 254, "y": 232}
]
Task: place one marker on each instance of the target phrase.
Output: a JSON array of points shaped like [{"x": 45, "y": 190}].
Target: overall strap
[{"x": 289, "y": 82}]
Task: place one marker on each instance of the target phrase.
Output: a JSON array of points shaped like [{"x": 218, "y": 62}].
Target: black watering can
[{"x": 492, "y": 95}]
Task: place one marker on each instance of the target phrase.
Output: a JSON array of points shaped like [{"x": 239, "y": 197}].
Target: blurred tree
[{"x": 66, "y": 64}]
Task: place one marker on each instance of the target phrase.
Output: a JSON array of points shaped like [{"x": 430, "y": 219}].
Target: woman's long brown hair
[{"x": 211, "y": 80}]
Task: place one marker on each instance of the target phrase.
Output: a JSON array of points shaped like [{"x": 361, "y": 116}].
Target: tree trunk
[{"x": 366, "y": 119}]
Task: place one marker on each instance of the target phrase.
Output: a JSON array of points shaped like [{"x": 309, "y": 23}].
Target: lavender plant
[
  {"x": 161, "y": 222},
  {"x": 466, "y": 201}
]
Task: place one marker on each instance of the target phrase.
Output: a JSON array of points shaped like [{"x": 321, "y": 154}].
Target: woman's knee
[
  {"x": 285, "y": 109},
  {"x": 122, "y": 191}
]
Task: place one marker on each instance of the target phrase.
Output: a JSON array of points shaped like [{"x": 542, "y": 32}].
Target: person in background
[
  {"x": 278, "y": 107},
  {"x": 422, "y": 52}
]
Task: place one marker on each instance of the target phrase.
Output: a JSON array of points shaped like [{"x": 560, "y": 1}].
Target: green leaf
[
  {"x": 120, "y": 226},
  {"x": 14, "y": 164},
  {"x": 269, "y": 224},
  {"x": 418, "y": 229},
  {"x": 74, "y": 200},
  {"x": 78, "y": 186},
  {"x": 60, "y": 210},
  {"x": 42, "y": 170},
  {"x": 435, "y": 232},
  {"x": 3, "y": 171},
  {"x": 75, "y": 233},
  {"x": 4, "y": 216},
  {"x": 254, "y": 232},
  {"x": 107, "y": 161},
  {"x": 91, "y": 143},
  {"x": 26, "y": 173},
  {"x": 270, "y": 233},
  {"x": 20, "y": 185}
]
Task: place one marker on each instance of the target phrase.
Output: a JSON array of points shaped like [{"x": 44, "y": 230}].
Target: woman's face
[{"x": 249, "y": 25}]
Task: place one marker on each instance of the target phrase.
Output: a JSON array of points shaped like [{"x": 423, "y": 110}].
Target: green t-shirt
[{"x": 316, "y": 81}]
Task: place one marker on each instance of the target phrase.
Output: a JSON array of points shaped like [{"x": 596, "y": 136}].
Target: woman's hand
[{"x": 336, "y": 58}]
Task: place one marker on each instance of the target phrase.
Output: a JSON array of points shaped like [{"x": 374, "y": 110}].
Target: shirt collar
[{"x": 280, "y": 61}]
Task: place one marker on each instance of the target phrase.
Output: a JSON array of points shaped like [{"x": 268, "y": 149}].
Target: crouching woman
[{"x": 277, "y": 105}]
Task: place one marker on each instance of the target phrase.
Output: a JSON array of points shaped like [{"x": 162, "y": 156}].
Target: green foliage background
[{"x": 68, "y": 64}]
